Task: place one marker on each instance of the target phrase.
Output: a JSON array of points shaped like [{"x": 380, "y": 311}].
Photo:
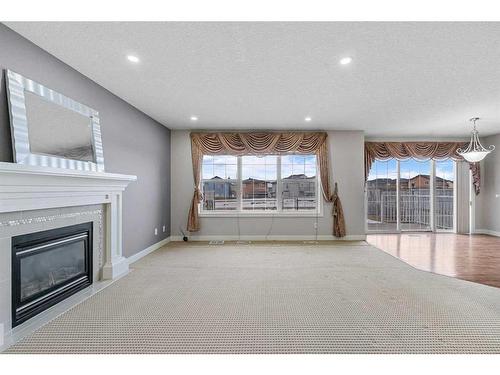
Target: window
[
  {"x": 219, "y": 183},
  {"x": 298, "y": 176},
  {"x": 265, "y": 184},
  {"x": 259, "y": 182}
]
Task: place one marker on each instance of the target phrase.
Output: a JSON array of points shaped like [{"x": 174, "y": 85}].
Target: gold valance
[{"x": 258, "y": 143}]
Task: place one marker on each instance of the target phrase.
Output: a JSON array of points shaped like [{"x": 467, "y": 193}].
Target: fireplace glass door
[
  {"x": 43, "y": 271},
  {"x": 48, "y": 267}
]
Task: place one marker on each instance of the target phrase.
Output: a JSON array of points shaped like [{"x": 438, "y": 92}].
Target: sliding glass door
[
  {"x": 444, "y": 187},
  {"x": 415, "y": 183},
  {"x": 410, "y": 195},
  {"x": 381, "y": 196}
]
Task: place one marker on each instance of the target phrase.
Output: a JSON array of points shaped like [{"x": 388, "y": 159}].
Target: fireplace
[{"x": 48, "y": 267}]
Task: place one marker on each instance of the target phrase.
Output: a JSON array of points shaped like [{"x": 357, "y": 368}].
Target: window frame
[{"x": 318, "y": 212}]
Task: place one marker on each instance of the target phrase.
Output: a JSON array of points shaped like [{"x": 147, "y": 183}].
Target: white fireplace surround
[
  {"x": 24, "y": 188},
  {"x": 28, "y": 188}
]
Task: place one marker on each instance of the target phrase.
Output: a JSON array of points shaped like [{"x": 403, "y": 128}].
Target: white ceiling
[{"x": 406, "y": 80}]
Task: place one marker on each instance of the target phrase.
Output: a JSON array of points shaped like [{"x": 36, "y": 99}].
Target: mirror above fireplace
[{"x": 51, "y": 130}]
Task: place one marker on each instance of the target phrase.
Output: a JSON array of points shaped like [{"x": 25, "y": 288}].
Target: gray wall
[
  {"x": 487, "y": 203},
  {"x": 346, "y": 154},
  {"x": 133, "y": 142}
]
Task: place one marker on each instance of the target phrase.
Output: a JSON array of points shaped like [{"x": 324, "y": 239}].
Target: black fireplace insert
[{"x": 48, "y": 267}]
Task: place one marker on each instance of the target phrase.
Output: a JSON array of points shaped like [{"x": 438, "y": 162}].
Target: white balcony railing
[{"x": 414, "y": 208}]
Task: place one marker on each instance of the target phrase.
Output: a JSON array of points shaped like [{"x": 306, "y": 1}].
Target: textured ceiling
[{"x": 406, "y": 79}]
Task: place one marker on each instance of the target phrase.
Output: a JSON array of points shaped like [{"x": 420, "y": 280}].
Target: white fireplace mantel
[{"x": 24, "y": 187}]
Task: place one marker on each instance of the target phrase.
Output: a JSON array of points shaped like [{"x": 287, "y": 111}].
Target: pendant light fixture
[{"x": 475, "y": 151}]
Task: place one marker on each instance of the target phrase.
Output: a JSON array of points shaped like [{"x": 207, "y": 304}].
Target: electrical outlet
[
  {"x": 156, "y": 231},
  {"x": 315, "y": 225},
  {"x": 164, "y": 228}
]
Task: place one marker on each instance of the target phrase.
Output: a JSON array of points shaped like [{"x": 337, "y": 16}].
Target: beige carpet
[{"x": 277, "y": 298}]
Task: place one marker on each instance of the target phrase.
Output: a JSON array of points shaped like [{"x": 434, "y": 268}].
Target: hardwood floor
[{"x": 475, "y": 258}]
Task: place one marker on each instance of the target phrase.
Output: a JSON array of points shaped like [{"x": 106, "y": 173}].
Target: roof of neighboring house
[
  {"x": 256, "y": 180},
  {"x": 401, "y": 179},
  {"x": 428, "y": 177},
  {"x": 291, "y": 177},
  {"x": 298, "y": 176}
]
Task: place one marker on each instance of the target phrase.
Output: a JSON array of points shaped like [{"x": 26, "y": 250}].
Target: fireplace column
[{"x": 116, "y": 264}]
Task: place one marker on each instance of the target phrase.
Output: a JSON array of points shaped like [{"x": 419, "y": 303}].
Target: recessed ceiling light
[
  {"x": 132, "y": 58},
  {"x": 308, "y": 119},
  {"x": 194, "y": 118},
  {"x": 345, "y": 60}
]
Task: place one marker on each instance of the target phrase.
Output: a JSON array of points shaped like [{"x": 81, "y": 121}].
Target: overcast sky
[
  {"x": 410, "y": 168},
  {"x": 265, "y": 168},
  {"x": 262, "y": 168}
]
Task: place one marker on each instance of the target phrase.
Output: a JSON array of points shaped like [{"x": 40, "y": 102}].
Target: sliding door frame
[
  {"x": 432, "y": 203},
  {"x": 455, "y": 204}
]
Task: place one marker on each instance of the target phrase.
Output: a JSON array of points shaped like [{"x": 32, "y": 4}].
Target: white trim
[
  {"x": 22, "y": 169},
  {"x": 361, "y": 237},
  {"x": 279, "y": 186},
  {"x": 432, "y": 196},
  {"x": 24, "y": 187},
  {"x": 398, "y": 192},
  {"x": 455, "y": 197},
  {"x": 488, "y": 232},
  {"x": 148, "y": 250},
  {"x": 472, "y": 204},
  {"x": 239, "y": 183}
]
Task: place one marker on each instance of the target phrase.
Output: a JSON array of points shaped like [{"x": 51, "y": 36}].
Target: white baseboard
[
  {"x": 487, "y": 231},
  {"x": 148, "y": 250},
  {"x": 271, "y": 238}
]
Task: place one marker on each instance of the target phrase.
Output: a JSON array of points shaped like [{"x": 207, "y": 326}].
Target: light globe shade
[
  {"x": 475, "y": 151},
  {"x": 475, "y": 156}
]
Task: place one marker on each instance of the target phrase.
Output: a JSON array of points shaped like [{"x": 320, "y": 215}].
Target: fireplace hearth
[{"x": 48, "y": 267}]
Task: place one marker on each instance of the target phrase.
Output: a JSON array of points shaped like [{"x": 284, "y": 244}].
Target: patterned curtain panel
[
  {"x": 264, "y": 143},
  {"x": 418, "y": 150}
]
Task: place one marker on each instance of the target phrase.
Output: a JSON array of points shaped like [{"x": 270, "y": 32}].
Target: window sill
[{"x": 260, "y": 214}]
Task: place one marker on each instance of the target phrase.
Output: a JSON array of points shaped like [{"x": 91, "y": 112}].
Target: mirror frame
[{"x": 16, "y": 86}]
